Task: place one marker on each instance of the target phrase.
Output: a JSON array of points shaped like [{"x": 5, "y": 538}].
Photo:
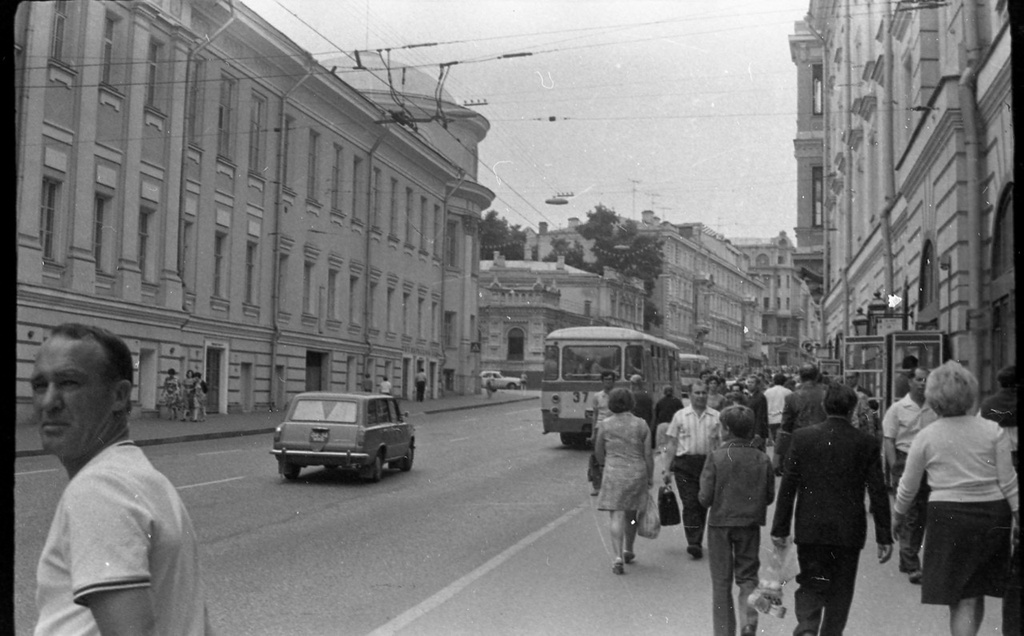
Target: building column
[{"x": 170, "y": 293}]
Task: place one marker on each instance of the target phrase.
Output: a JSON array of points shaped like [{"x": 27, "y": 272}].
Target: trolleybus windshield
[{"x": 586, "y": 362}]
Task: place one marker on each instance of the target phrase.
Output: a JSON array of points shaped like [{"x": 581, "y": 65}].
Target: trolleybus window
[
  {"x": 586, "y": 362},
  {"x": 635, "y": 360},
  {"x": 551, "y": 362}
]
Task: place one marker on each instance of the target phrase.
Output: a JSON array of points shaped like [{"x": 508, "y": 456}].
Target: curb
[{"x": 195, "y": 437}]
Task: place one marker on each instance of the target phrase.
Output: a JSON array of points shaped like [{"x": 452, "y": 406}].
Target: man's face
[
  {"x": 752, "y": 383},
  {"x": 608, "y": 382},
  {"x": 699, "y": 397},
  {"x": 917, "y": 382},
  {"x": 73, "y": 398}
]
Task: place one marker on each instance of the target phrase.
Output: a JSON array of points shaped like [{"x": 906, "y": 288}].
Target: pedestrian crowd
[{"x": 937, "y": 471}]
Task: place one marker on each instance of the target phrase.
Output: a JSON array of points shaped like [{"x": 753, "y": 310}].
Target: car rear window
[{"x": 342, "y": 412}]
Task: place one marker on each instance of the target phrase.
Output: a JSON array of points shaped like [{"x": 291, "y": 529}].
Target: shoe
[
  {"x": 618, "y": 568},
  {"x": 695, "y": 551},
  {"x": 594, "y": 492},
  {"x": 749, "y": 630},
  {"x": 915, "y": 577},
  {"x": 629, "y": 556}
]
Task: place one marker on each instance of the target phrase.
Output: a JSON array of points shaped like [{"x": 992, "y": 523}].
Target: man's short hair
[
  {"x": 620, "y": 400},
  {"x": 636, "y": 378},
  {"x": 839, "y": 400},
  {"x": 703, "y": 385},
  {"x": 608, "y": 374},
  {"x": 1007, "y": 376},
  {"x": 779, "y": 379},
  {"x": 909, "y": 363},
  {"x": 667, "y": 391},
  {"x": 119, "y": 365},
  {"x": 808, "y": 373},
  {"x": 739, "y": 420}
]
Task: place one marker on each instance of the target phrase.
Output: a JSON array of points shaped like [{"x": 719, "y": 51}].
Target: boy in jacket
[{"x": 736, "y": 486}]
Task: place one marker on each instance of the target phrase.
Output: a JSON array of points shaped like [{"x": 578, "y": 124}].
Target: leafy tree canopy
[{"x": 497, "y": 235}]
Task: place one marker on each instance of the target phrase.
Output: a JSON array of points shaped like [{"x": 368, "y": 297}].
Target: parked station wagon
[{"x": 356, "y": 432}]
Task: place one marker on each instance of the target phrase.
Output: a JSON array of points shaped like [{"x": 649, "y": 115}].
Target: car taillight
[
  {"x": 359, "y": 436},
  {"x": 277, "y": 434}
]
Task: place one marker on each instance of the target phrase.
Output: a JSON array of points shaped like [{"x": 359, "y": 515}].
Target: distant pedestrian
[
  {"x": 385, "y": 385},
  {"x": 522, "y": 382},
  {"x": 736, "y": 486},
  {"x": 1001, "y": 407},
  {"x": 758, "y": 403},
  {"x": 622, "y": 446},
  {"x": 776, "y": 399},
  {"x": 902, "y": 379},
  {"x": 597, "y": 410},
  {"x": 121, "y": 556},
  {"x": 716, "y": 392},
  {"x": 199, "y": 399},
  {"x": 367, "y": 383},
  {"x": 826, "y": 475},
  {"x": 973, "y": 518},
  {"x": 665, "y": 409},
  {"x": 643, "y": 404},
  {"x": 801, "y": 409},
  {"x": 188, "y": 388},
  {"x": 170, "y": 394},
  {"x": 421, "y": 384}
]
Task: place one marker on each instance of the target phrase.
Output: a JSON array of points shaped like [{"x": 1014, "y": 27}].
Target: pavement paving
[{"x": 148, "y": 430}]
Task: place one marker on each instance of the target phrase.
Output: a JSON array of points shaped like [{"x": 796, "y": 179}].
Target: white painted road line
[
  {"x": 35, "y": 472},
  {"x": 233, "y": 450},
  {"x": 407, "y": 617},
  {"x": 210, "y": 483}
]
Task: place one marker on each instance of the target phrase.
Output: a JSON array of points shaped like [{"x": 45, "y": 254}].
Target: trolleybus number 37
[{"x": 576, "y": 396}]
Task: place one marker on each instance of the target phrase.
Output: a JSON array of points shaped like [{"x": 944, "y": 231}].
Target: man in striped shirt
[{"x": 694, "y": 432}]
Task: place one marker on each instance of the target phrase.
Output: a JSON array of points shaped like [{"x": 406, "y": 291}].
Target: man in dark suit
[
  {"x": 827, "y": 471},
  {"x": 802, "y": 408}
]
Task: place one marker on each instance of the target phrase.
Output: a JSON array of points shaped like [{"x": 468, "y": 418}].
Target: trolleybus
[
  {"x": 574, "y": 359},
  {"x": 690, "y": 367}
]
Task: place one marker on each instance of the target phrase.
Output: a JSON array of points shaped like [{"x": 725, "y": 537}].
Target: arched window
[
  {"x": 927, "y": 286},
  {"x": 516, "y": 338},
  {"x": 1002, "y": 236},
  {"x": 762, "y": 260}
]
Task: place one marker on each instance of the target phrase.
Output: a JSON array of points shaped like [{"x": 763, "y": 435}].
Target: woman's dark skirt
[{"x": 966, "y": 551}]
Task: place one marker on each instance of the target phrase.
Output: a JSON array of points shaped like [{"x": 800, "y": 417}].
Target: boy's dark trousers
[{"x": 733, "y": 554}]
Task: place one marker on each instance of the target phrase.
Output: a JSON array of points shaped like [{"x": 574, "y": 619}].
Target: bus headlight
[
  {"x": 556, "y": 398},
  {"x": 554, "y": 411}
]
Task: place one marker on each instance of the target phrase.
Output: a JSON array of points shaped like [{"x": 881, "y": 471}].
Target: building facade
[
  {"x": 197, "y": 183},
  {"x": 521, "y": 302},
  {"x": 917, "y": 162}
]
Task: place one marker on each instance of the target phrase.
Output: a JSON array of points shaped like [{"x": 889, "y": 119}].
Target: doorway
[
  {"x": 212, "y": 377},
  {"x": 314, "y": 371},
  {"x": 245, "y": 385},
  {"x": 406, "y": 392},
  {"x": 147, "y": 379}
]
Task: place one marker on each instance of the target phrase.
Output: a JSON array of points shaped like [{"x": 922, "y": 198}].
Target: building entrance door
[{"x": 212, "y": 377}]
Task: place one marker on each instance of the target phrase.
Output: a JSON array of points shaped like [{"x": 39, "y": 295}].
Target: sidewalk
[{"x": 150, "y": 430}]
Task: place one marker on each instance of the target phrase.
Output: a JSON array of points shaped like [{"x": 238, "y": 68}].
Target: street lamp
[
  {"x": 860, "y": 323},
  {"x": 877, "y": 308}
]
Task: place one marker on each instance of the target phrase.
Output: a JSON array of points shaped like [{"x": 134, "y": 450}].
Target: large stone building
[
  {"x": 521, "y": 302},
  {"x": 707, "y": 301},
  {"x": 914, "y": 103},
  {"x": 193, "y": 180}
]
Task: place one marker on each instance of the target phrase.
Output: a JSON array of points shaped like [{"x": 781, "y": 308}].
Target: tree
[
  {"x": 496, "y": 235},
  {"x": 574, "y": 255}
]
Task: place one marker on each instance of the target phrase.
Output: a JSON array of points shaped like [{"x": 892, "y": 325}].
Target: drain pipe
[
  {"x": 444, "y": 256},
  {"x": 848, "y": 177},
  {"x": 275, "y": 303},
  {"x": 888, "y": 159},
  {"x": 972, "y": 140},
  {"x": 366, "y": 285},
  {"x": 184, "y": 149}
]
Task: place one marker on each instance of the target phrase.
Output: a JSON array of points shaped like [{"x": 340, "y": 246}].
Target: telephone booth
[
  {"x": 929, "y": 348},
  {"x": 866, "y": 356}
]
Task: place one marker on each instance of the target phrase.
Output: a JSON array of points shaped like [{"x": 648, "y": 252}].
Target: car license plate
[{"x": 318, "y": 435}]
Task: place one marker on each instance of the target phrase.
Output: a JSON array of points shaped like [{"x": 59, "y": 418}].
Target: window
[
  {"x": 449, "y": 329},
  {"x": 389, "y": 300},
  {"x": 153, "y": 72},
  {"x": 516, "y": 338},
  {"x": 289, "y": 122},
  {"x": 107, "y": 62},
  {"x": 312, "y": 166},
  {"x": 817, "y": 196},
  {"x": 282, "y": 280},
  {"x": 393, "y": 208},
  {"x": 408, "y": 216},
  {"x": 257, "y": 134},
  {"x": 433, "y": 321},
  {"x": 60, "y": 25},
  {"x": 927, "y": 289},
  {"x": 99, "y": 219},
  {"x": 145, "y": 248},
  {"x": 782, "y": 259},
  {"x": 1004, "y": 331},
  {"x": 406, "y": 308},
  {"x": 250, "y": 271},
  {"x": 220, "y": 241},
  {"x": 451, "y": 245},
  {"x": 817, "y": 92},
  {"x": 371, "y": 317},
  {"x": 376, "y": 197},
  {"x": 1002, "y": 237},
  {"x": 48, "y": 216},
  {"x": 767, "y": 302},
  {"x": 423, "y": 223},
  {"x": 353, "y": 289},
  {"x": 186, "y": 251},
  {"x": 419, "y": 318},
  {"x": 787, "y": 302},
  {"x": 586, "y": 362},
  {"x": 357, "y": 176},
  {"x": 438, "y": 220},
  {"x": 336, "y": 178},
  {"x": 195, "y": 100},
  {"x": 332, "y": 294},
  {"x": 307, "y": 287},
  {"x": 586, "y": 307},
  {"x": 225, "y": 109}
]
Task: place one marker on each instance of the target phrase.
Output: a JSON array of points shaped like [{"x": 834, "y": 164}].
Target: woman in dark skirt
[
  {"x": 973, "y": 503},
  {"x": 623, "y": 446}
]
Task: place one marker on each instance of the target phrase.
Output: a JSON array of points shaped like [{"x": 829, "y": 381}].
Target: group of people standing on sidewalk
[
  {"x": 185, "y": 398},
  {"x": 953, "y": 472}
]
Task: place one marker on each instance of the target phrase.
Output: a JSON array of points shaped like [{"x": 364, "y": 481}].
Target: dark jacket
[
  {"x": 758, "y": 403},
  {"x": 666, "y": 408},
  {"x": 1001, "y": 408},
  {"x": 802, "y": 408},
  {"x": 737, "y": 484},
  {"x": 827, "y": 471},
  {"x": 643, "y": 407}
]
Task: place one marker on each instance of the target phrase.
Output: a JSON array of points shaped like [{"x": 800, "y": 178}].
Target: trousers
[
  {"x": 911, "y": 533},
  {"x": 687, "y": 469},
  {"x": 733, "y": 554},
  {"x": 827, "y": 577}
]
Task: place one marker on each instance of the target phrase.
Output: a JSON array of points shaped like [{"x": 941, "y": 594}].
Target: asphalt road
[{"x": 492, "y": 531}]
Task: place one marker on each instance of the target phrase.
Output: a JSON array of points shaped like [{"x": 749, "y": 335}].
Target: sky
[{"x": 683, "y": 107}]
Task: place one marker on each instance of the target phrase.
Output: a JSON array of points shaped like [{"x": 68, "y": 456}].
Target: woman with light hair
[{"x": 972, "y": 503}]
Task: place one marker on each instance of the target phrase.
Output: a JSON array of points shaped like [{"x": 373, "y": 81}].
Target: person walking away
[
  {"x": 865, "y": 418},
  {"x": 775, "y": 396},
  {"x": 121, "y": 555},
  {"x": 826, "y": 474},
  {"x": 643, "y": 404},
  {"x": 385, "y": 385},
  {"x": 664, "y": 410},
  {"x": 421, "y": 384},
  {"x": 171, "y": 394},
  {"x": 716, "y": 392},
  {"x": 901, "y": 424},
  {"x": 199, "y": 399},
  {"x": 597, "y": 411},
  {"x": 694, "y": 432},
  {"x": 188, "y": 395},
  {"x": 736, "y": 486},
  {"x": 973, "y": 516},
  {"x": 801, "y": 408},
  {"x": 623, "y": 446},
  {"x": 758, "y": 403}
]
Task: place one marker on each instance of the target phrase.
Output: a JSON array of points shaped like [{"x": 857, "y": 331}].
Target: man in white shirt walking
[
  {"x": 776, "y": 397},
  {"x": 693, "y": 433}
]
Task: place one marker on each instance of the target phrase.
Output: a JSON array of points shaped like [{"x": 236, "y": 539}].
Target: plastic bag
[
  {"x": 648, "y": 523},
  {"x": 777, "y": 568}
]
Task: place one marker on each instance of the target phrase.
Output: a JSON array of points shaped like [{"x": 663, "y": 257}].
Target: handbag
[
  {"x": 648, "y": 521},
  {"x": 668, "y": 507}
]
